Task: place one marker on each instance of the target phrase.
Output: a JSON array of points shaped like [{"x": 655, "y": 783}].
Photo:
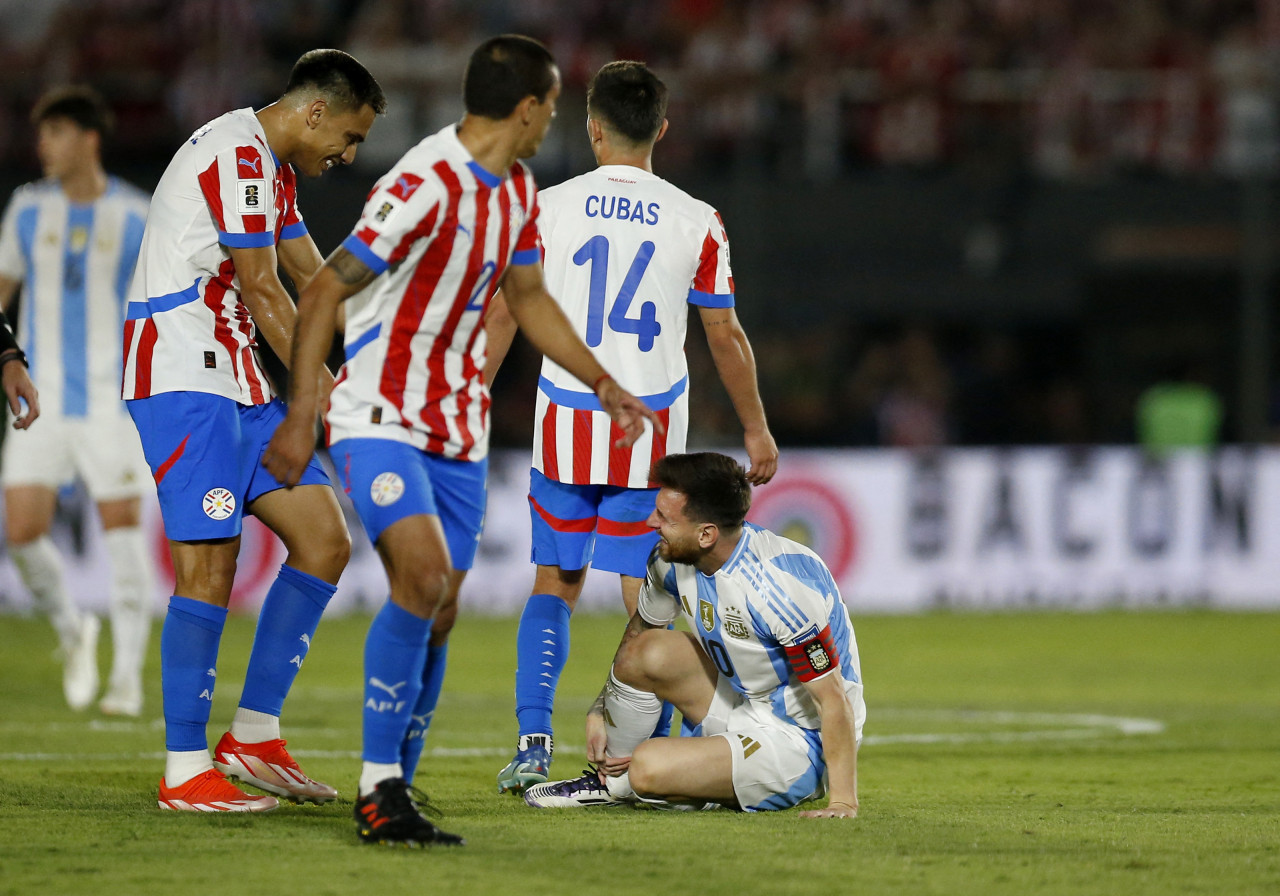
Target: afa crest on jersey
[
  {"x": 819, "y": 659},
  {"x": 734, "y": 626}
]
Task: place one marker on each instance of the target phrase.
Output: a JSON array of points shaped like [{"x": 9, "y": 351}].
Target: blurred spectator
[{"x": 1181, "y": 411}]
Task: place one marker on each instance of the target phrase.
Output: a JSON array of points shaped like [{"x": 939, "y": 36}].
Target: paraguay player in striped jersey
[
  {"x": 223, "y": 220},
  {"x": 71, "y": 240},
  {"x": 770, "y": 672},
  {"x": 626, "y": 254},
  {"x": 408, "y": 418}
]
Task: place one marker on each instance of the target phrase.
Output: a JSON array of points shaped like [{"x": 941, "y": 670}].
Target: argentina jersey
[
  {"x": 75, "y": 261},
  {"x": 770, "y": 619}
]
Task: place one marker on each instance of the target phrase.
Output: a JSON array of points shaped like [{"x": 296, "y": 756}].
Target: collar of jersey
[{"x": 738, "y": 550}]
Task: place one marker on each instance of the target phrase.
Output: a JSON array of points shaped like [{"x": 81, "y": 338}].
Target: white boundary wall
[{"x": 969, "y": 528}]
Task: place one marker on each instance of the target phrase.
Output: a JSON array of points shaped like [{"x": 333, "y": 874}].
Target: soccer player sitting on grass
[{"x": 770, "y": 674}]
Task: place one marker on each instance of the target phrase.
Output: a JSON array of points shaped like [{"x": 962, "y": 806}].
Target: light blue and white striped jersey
[
  {"x": 75, "y": 261},
  {"x": 770, "y": 619}
]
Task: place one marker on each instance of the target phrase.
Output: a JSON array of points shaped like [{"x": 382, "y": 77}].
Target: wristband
[
  {"x": 595, "y": 387},
  {"x": 13, "y": 354}
]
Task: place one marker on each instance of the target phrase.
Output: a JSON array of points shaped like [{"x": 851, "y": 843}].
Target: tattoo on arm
[{"x": 350, "y": 270}]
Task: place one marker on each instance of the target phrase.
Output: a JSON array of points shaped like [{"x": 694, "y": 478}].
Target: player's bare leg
[
  {"x": 131, "y": 603},
  {"x": 29, "y": 513},
  {"x": 309, "y": 521}
]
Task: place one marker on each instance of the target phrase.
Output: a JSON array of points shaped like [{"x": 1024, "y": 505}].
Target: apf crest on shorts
[
  {"x": 386, "y": 489},
  {"x": 219, "y": 503}
]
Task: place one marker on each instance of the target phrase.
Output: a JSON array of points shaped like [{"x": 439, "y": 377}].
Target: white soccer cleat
[
  {"x": 80, "y": 668},
  {"x": 578, "y": 793},
  {"x": 122, "y": 699}
]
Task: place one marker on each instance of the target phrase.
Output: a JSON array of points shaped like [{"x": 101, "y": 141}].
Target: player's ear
[
  {"x": 661, "y": 131},
  {"x": 315, "y": 112},
  {"x": 595, "y": 133},
  {"x": 708, "y": 535}
]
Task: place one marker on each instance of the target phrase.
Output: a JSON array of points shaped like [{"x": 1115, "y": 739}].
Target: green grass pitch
[{"x": 1036, "y": 753}]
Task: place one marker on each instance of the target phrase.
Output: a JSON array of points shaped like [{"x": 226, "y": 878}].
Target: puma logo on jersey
[
  {"x": 251, "y": 164},
  {"x": 389, "y": 688}
]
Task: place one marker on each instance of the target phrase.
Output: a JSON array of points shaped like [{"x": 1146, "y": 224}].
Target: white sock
[
  {"x": 620, "y": 787},
  {"x": 253, "y": 727},
  {"x": 181, "y": 767},
  {"x": 630, "y": 716},
  {"x": 373, "y": 772},
  {"x": 131, "y": 604},
  {"x": 40, "y": 566}
]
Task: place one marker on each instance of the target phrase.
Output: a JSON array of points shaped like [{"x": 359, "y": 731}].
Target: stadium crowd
[{"x": 1071, "y": 89}]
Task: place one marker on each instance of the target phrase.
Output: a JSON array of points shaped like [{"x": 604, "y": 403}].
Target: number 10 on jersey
[{"x": 645, "y": 328}]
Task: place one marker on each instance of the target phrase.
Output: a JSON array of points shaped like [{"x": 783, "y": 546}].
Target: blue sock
[
  {"x": 188, "y": 662},
  {"x": 290, "y": 614},
  {"x": 542, "y": 649},
  {"x": 424, "y": 710},
  {"x": 395, "y": 652},
  {"x": 663, "y": 728}
]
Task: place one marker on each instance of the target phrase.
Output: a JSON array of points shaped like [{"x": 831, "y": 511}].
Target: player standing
[
  {"x": 408, "y": 418},
  {"x": 770, "y": 673},
  {"x": 71, "y": 241},
  {"x": 627, "y": 253},
  {"x": 224, "y": 215}
]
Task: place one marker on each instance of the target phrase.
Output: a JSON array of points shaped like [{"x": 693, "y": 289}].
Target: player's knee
[
  {"x": 640, "y": 662},
  {"x": 325, "y": 553}
]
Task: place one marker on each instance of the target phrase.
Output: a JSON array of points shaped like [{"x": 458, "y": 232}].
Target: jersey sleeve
[
  {"x": 241, "y": 197},
  {"x": 402, "y": 209},
  {"x": 292, "y": 224},
  {"x": 798, "y": 614},
  {"x": 11, "y": 261},
  {"x": 713, "y": 282},
  {"x": 529, "y": 243},
  {"x": 659, "y": 601}
]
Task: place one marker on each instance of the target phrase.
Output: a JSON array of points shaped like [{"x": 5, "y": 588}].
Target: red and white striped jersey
[
  {"x": 625, "y": 255},
  {"x": 439, "y": 230},
  {"x": 186, "y": 329}
]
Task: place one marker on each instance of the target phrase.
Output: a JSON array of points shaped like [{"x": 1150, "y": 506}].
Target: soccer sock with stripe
[
  {"x": 40, "y": 567},
  {"x": 424, "y": 710},
  {"x": 188, "y": 671},
  {"x": 542, "y": 649},
  {"x": 131, "y": 604},
  {"x": 395, "y": 656},
  {"x": 288, "y": 620},
  {"x": 630, "y": 716}
]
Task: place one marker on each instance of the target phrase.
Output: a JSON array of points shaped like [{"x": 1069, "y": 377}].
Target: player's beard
[{"x": 679, "y": 551}]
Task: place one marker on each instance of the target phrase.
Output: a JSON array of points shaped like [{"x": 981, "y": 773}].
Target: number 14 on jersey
[{"x": 645, "y": 328}]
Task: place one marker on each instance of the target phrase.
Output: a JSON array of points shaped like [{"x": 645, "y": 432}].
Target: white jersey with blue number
[
  {"x": 625, "y": 253},
  {"x": 770, "y": 619},
  {"x": 75, "y": 261}
]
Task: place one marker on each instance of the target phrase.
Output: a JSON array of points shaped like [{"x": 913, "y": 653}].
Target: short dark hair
[
  {"x": 504, "y": 70},
  {"x": 715, "y": 486},
  {"x": 82, "y": 105},
  {"x": 339, "y": 76},
  {"x": 630, "y": 99}
]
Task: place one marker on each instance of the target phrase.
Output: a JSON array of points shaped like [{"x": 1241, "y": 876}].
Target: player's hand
[
  {"x": 18, "y": 388},
  {"x": 627, "y": 411},
  {"x": 290, "y": 449},
  {"x": 833, "y": 810},
  {"x": 763, "y": 453},
  {"x": 596, "y": 738}
]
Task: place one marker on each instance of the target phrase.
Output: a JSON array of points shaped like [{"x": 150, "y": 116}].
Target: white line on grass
[{"x": 1076, "y": 726}]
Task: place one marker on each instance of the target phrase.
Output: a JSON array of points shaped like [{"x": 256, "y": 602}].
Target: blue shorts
[
  {"x": 388, "y": 481},
  {"x": 598, "y": 525},
  {"x": 205, "y": 454}
]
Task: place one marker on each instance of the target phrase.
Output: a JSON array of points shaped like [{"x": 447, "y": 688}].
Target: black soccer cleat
[{"x": 392, "y": 815}]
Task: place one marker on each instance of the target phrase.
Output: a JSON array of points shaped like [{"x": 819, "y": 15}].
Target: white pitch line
[{"x": 1080, "y": 726}]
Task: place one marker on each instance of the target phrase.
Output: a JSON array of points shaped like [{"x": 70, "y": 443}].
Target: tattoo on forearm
[{"x": 350, "y": 270}]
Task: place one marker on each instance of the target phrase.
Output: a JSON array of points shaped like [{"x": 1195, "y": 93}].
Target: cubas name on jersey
[{"x": 621, "y": 208}]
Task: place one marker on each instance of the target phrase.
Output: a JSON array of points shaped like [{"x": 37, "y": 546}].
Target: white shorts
[
  {"x": 104, "y": 452},
  {"x": 776, "y": 765}
]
